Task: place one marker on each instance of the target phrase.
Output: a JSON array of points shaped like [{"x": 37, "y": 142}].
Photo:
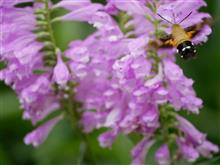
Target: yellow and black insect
[{"x": 181, "y": 38}]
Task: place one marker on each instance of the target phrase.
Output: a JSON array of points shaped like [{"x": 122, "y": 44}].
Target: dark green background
[{"x": 62, "y": 145}]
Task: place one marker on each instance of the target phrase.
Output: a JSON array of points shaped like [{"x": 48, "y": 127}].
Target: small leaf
[
  {"x": 48, "y": 46},
  {"x": 42, "y": 23},
  {"x": 49, "y": 53},
  {"x": 213, "y": 161},
  {"x": 3, "y": 65},
  {"x": 41, "y": 17},
  {"x": 43, "y": 36},
  {"x": 41, "y": 11},
  {"x": 39, "y": 71}
]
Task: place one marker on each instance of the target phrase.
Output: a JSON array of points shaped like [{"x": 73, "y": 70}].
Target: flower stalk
[
  {"x": 45, "y": 34},
  {"x": 72, "y": 107},
  {"x": 120, "y": 77}
]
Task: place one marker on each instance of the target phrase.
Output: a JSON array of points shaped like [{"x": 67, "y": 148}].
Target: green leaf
[
  {"x": 214, "y": 160},
  {"x": 3, "y": 65},
  {"x": 39, "y": 71},
  {"x": 43, "y": 36}
]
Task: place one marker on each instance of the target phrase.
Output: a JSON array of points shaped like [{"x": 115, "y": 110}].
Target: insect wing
[{"x": 192, "y": 31}]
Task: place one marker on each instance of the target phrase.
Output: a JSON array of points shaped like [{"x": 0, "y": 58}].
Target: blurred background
[{"x": 62, "y": 145}]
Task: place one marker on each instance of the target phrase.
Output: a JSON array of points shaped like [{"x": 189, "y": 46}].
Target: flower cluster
[
  {"x": 121, "y": 76},
  {"x": 26, "y": 73}
]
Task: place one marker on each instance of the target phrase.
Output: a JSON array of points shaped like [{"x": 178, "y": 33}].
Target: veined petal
[
  {"x": 140, "y": 150},
  {"x": 61, "y": 73},
  {"x": 39, "y": 135},
  {"x": 190, "y": 130},
  {"x": 72, "y": 5},
  {"x": 162, "y": 155},
  {"x": 85, "y": 13}
]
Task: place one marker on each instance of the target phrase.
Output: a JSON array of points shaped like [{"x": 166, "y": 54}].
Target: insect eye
[{"x": 186, "y": 50}]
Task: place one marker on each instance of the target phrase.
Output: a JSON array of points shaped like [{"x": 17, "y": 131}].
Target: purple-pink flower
[
  {"x": 61, "y": 73},
  {"x": 187, "y": 151},
  {"x": 162, "y": 155},
  {"x": 23, "y": 54},
  {"x": 119, "y": 77},
  {"x": 140, "y": 150},
  {"x": 193, "y": 143},
  {"x": 37, "y": 136}
]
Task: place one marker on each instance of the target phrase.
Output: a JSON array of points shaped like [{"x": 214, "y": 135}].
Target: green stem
[
  {"x": 50, "y": 29},
  {"x": 168, "y": 131},
  {"x": 45, "y": 34},
  {"x": 75, "y": 118}
]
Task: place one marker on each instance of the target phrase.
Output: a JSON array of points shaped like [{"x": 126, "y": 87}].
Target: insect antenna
[
  {"x": 164, "y": 18},
  {"x": 174, "y": 17},
  {"x": 185, "y": 18}
]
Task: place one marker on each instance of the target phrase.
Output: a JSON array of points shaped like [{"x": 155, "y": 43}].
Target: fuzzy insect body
[
  {"x": 183, "y": 43},
  {"x": 181, "y": 38},
  {"x": 179, "y": 35}
]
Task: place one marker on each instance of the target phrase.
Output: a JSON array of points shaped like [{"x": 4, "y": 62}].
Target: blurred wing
[
  {"x": 167, "y": 41},
  {"x": 192, "y": 31}
]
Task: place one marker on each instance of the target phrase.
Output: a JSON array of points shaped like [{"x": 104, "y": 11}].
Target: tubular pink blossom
[
  {"x": 190, "y": 130},
  {"x": 207, "y": 148},
  {"x": 140, "y": 150},
  {"x": 61, "y": 73},
  {"x": 106, "y": 139},
  {"x": 39, "y": 135},
  {"x": 162, "y": 155},
  {"x": 188, "y": 152}
]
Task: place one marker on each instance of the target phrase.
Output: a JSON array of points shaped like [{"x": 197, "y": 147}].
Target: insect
[{"x": 181, "y": 38}]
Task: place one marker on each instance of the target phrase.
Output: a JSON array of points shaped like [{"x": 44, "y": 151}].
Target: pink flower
[
  {"x": 162, "y": 155},
  {"x": 61, "y": 73},
  {"x": 190, "y": 131},
  {"x": 25, "y": 71},
  {"x": 39, "y": 135},
  {"x": 207, "y": 148},
  {"x": 140, "y": 150},
  {"x": 188, "y": 152},
  {"x": 106, "y": 139}
]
